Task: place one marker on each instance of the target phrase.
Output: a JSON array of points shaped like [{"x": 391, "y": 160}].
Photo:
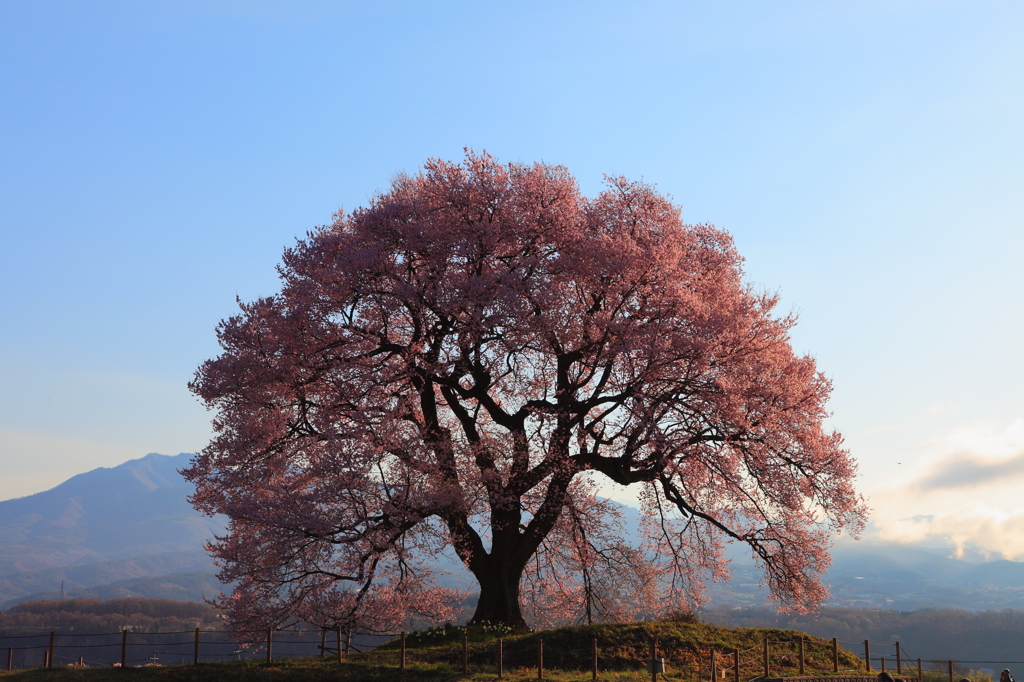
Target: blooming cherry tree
[{"x": 463, "y": 363}]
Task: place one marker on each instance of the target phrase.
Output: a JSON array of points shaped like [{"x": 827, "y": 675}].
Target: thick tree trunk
[
  {"x": 500, "y": 572},
  {"x": 499, "y": 596}
]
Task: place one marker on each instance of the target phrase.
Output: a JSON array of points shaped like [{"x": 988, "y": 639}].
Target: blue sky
[{"x": 155, "y": 159}]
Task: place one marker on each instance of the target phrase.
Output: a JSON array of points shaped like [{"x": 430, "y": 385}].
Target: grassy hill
[
  {"x": 436, "y": 655},
  {"x": 686, "y": 646}
]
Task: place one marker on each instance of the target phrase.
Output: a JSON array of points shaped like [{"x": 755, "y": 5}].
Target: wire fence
[
  {"x": 772, "y": 658},
  {"x": 132, "y": 648}
]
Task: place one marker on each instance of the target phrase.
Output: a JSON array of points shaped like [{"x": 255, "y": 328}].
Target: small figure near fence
[
  {"x": 884, "y": 677},
  {"x": 1005, "y": 676}
]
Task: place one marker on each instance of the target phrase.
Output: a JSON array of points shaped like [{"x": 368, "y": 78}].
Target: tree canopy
[{"x": 464, "y": 363}]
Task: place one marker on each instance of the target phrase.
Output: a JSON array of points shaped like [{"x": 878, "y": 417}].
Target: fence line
[{"x": 772, "y": 655}]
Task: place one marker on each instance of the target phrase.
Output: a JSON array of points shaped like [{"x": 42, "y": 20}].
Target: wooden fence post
[
  {"x": 882, "y": 659},
  {"x": 593, "y": 658},
  {"x": 46, "y": 659},
  {"x": 124, "y": 648},
  {"x": 10, "y": 658},
  {"x": 270, "y": 645},
  {"x": 81, "y": 661},
  {"x": 736, "y": 665},
  {"x": 654, "y": 660},
  {"x": 899, "y": 660},
  {"x": 767, "y": 653},
  {"x": 835, "y": 655},
  {"x": 801, "y": 655},
  {"x": 323, "y": 643},
  {"x": 714, "y": 665},
  {"x": 951, "y": 671},
  {"x": 540, "y": 658},
  {"x": 465, "y": 652},
  {"x": 341, "y": 655},
  {"x": 867, "y": 654},
  {"x": 401, "y": 657},
  {"x": 50, "y": 662},
  {"x": 195, "y": 654},
  {"x": 500, "y": 656},
  {"x": 920, "y": 672}
]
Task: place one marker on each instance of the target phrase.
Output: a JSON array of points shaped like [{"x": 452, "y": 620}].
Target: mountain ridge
[
  {"x": 127, "y": 526},
  {"x": 108, "y": 524}
]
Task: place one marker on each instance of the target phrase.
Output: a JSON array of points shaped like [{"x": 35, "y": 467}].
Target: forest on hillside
[
  {"x": 937, "y": 634},
  {"x": 112, "y": 615}
]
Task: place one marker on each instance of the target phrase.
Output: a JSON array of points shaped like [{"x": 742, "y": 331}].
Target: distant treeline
[
  {"x": 97, "y": 615},
  {"x": 996, "y": 636}
]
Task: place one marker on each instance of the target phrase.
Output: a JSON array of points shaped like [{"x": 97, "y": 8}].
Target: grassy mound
[
  {"x": 686, "y": 646},
  {"x": 435, "y": 655}
]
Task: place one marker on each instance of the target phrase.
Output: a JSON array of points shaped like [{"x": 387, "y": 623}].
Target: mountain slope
[
  {"x": 125, "y": 525},
  {"x": 108, "y": 524}
]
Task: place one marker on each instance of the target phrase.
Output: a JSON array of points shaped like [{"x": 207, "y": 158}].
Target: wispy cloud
[
  {"x": 969, "y": 530},
  {"x": 970, "y": 470},
  {"x": 966, "y": 490}
]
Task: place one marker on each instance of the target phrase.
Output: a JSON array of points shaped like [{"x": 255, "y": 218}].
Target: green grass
[
  {"x": 686, "y": 646},
  {"x": 436, "y": 656}
]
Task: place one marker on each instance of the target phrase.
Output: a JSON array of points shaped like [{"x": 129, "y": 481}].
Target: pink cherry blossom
[{"x": 463, "y": 363}]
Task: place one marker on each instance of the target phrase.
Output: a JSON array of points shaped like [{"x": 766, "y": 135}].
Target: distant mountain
[
  {"x": 886, "y": 575},
  {"x": 894, "y": 562},
  {"x": 129, "y": 531},
  {"x": 106, "y": 525},
  {"x": 995, "y": 574}
]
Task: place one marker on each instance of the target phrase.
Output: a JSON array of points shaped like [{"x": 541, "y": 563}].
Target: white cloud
[
  {"x": 966, "y": 469},
  {"x": 966, "y": 489}
]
